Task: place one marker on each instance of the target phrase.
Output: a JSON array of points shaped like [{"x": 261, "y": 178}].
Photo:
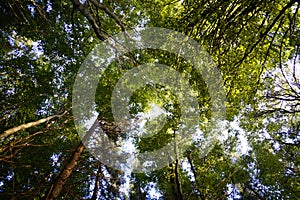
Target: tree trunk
[
  {"x": 176, "y": 171},
  {"x": 97, "y": 183},
  {"x": 57, "y": 186}
]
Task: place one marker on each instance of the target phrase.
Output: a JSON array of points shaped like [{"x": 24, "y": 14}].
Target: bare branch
[
  {"x": 28, "y": 125},
  {"x": 90, "y": 18},
  {"x": 107, "y": 11}
]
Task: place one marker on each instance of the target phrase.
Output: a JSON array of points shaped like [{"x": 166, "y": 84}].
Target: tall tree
[{"x": 255, "y": 45}]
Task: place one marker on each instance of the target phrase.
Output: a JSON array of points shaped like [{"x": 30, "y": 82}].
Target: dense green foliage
[{"x": 255, "y": 45}]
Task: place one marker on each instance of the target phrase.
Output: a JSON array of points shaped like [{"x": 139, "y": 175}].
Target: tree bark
[
  {"x": 107, "y": 11},
  {"x": 57, "y": 186},
  {"x": 259, "y": 196},
  {"x": 176, "y": 171},
  {"x": 90, "y": 18},
  {"x": 178, "y": 184},
  {"x": 97, "y": 183},
  {"x": 28, "y": 125}
]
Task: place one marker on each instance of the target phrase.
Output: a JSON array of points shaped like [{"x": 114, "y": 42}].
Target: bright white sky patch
[{"x": 154, "y": 111}]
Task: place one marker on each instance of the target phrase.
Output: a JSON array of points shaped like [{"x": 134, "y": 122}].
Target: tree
[{"x": 255, "y": 45}]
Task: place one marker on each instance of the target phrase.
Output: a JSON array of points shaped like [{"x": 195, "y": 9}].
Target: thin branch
[
  {"x": 75, "y": 32},
  {"x": 107, "y": 11},
  {"x": 39, "y": 9},
  {"x": 189, "y": 158},
  {"x": 255, "y": 192},
  {"x": 264, "y": 34},
  {"x": 90, "y": 18},
  {"x": 16, "y": 142}
]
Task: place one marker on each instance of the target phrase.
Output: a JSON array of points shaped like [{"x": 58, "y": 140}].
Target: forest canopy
[{"x": 253, "y": 46}]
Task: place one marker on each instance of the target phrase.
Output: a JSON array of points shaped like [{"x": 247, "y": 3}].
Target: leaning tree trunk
[{"x": 57, "y": 186}]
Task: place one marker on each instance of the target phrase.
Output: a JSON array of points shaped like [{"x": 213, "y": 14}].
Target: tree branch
[
  {"x": 107, "y": 11},
  {"x": 259, "y": 196},
  {"x": 90, "y": 18},
  {"x": 266, "y": 31},
  {"x": 28, "y": 125}
]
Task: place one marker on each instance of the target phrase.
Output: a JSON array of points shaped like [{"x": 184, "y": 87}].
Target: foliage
[{"x": 255, "y": 45}]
